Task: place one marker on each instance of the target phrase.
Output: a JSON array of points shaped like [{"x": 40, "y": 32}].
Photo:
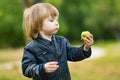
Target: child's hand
[
  {"x": 88, "y": 41},
  {"x": 51, "y": 66}
]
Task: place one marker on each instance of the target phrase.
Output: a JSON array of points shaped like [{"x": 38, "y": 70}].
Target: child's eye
[{"x": 51, "y": 20}]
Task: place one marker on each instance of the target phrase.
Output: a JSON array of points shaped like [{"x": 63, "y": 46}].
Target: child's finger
[
  {"x": 91, "y": 35},
  {"x": 88, "y": 41},
  {"x": 53, "y": 63},
  {"x": 51, "y": 66},
  {"x": 90, "y": 38}
]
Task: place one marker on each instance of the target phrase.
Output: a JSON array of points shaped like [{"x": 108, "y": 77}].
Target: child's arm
[
  {"x": 80, "y": 53},
  {"x": 30, "y": 68}
]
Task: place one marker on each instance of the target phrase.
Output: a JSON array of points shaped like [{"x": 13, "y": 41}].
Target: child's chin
[{"x": 54, "y": 32}]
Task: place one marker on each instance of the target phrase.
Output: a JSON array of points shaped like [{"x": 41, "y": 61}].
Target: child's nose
[{"x": 56, "y": 23}]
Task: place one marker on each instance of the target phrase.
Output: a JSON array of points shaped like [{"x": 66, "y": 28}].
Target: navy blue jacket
[{"x": 40, "y": 51}]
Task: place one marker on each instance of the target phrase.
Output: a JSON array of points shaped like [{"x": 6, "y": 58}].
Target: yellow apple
[{"x": 85, "y": 34}]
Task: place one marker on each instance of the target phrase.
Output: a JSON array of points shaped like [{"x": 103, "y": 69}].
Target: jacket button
[{"x": 44, "y": 53}]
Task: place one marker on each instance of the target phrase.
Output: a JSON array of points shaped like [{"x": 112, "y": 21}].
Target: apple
[{"x": 85, "y": 34}]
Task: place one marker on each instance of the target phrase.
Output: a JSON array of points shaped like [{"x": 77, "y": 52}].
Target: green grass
[
  {"x": 10, "y": 54},
  {"x": 104, "y": 68}
]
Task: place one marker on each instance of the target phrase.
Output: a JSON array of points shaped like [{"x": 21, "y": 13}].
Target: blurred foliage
[
  {"x": 11, "y": 23},
  {"x": 28, "y": 3},
  {"x": 100, "y": 17}
]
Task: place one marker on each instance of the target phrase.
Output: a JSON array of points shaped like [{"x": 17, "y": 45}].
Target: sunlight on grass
[
  {"x": 10, "y": 54},
  {"x": 104, "y": 68}
]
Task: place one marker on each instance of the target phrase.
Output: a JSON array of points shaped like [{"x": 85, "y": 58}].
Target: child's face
[{"x": 50, "y": 26}]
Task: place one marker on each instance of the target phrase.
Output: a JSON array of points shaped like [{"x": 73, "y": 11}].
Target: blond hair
[{"x": 34, "y": 16}]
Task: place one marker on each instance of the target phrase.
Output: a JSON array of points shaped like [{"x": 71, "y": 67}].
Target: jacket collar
[{"x": 45, "y": 41}]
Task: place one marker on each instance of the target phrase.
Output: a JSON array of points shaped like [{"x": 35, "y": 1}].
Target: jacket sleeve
[
  {"x": 76, "y": 53},
  {"x": 30, "y": 68}
]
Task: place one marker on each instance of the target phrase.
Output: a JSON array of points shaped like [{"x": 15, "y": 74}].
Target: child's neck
[{"x": 48, "y": 37}]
